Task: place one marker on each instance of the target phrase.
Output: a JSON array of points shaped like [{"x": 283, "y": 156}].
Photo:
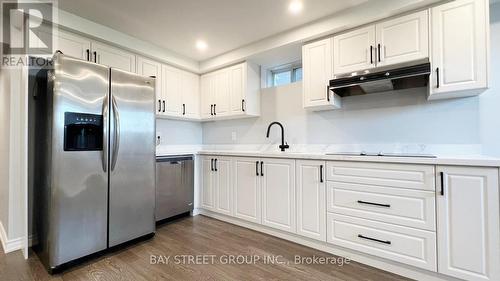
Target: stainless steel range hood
[{"x": 395, "y": 77}]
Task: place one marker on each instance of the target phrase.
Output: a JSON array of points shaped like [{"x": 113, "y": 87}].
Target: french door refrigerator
[{"x": 95, "y": 167}]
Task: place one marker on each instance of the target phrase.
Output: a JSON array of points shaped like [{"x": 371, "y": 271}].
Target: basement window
[{"x": 286, "y": 75}]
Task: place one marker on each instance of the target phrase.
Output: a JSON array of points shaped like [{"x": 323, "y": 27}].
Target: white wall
[
  {"x": 4, "y": 147},
  {"x": 398, "y": 117},
  {"x": 490, "y": 100},
  {"x": 174, "y": 132}
]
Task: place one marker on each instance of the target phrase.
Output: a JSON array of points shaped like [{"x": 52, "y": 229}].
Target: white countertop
[{"x": 461, "y": 160}]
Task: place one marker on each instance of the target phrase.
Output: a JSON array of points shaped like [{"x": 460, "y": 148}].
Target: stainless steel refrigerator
[{"x": 94, "y": 159}]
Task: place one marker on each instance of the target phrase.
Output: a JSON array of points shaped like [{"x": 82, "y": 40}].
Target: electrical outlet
[
  {"x": 233, "y": 136},
  {"x": 159, "y": 138}
]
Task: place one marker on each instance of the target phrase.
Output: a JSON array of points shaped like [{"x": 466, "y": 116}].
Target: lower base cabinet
[
  {"x": 311, "y": 199},
  {"x": 369, "y": 216},
  {"x": 468, "y": 223}
]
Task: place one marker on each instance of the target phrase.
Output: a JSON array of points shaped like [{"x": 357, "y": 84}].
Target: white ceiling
[{"x": 224, "y": 24}]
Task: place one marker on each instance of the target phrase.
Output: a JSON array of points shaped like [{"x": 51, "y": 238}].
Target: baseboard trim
[
  {"x": 12, "y": 244},
  {"x": 383, "y": 264}
]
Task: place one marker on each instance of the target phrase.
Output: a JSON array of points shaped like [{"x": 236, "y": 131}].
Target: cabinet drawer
[
  {"x": 402, "y": 244},
  {"x": 413, "y": 208},
  {"x": 382, "y": 174}
]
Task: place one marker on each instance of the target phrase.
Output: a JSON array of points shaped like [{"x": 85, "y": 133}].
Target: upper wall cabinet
[
  {"x": 460, "y": 36},
  {"x": 389, "y": 42},
  {"x": 73, "y": 45},
  {"x": 402, "y": 39},
  {"x": 231, "y": 92},
  {"x": 317, "y": 65},
  {"x": 354, "y": 50},
  {"x": 113, "y": 57},
  {"x": 149, "y": 67},
  {"x": 180, "y": 94}
]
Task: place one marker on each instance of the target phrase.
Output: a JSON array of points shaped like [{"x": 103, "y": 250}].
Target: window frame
[{"x": 292, "y": 68}]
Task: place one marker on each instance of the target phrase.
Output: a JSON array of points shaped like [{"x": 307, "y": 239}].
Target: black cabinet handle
[
  {"x": 320, "y": 173},
  {"x": 159, "y": 105},
  {"x": 243, "y": 105},
  {"x": 371, "y": 54},
  {"x": 215, "y": 164},
  {"x": 373, "y": 239},
  {"x": 215, "y": 111},
  {"x": 211, "y": 164},
  {"x": 328, "y": 93},
  {"x": 441, "y": 174},
  {"x": 257, "y": 168},
  {"x": 262, "y": 168},
  {"x": 437, "y": 77},
  {"x": 378, "y": 47},
  {"x": 211, "y": 109},
  {"x": 163, "y": 106},
  {"x": 95, "y": 56},
  {"x": 183, "y": 109},
  {"x": 88, "y": 55},
  {"x": 375, "y": 204}
]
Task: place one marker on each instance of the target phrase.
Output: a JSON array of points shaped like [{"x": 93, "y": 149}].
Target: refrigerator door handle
[
  {"x": 105, "y": 134},
  {"x": 116, "y": 134}
]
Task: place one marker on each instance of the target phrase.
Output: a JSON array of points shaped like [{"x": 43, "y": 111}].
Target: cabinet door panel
[
  {"x": 149, "y": 67},
  {"x": 207, "y": 184},
  {"x": 247, "y": 190},
  {"x": 352, "y": 50},
  {"x": 224, "y": 186},
  {"x": 172, "y": 90},
  {"x": 207, "y": 95},
  {"x": 459, "y": 42},
  {"x": 222, "y": 97},
  {"x": 468, "y": 223},
  {"x": 190, "y": 97},
  {"x": 393, "y": 48},
  {"x": 114, "y": 57},
  {"x": 317, "y": 59},
  {"x": 72, "y": 45},
  {"x": 278, "y": 194},
  {"x": 237, "y": 90},
  {"x": 311, "y": 210}
]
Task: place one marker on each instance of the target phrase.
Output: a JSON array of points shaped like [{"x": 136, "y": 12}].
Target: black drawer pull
[
  {"x": 163, "y": 106},
  {"x": 373, "y": 239},
  {"x": 442, "y": 183},
  {"x": 257, "y": 167},
  {"x": 374, "y": 204},
  {"x": 320, "y": 173},
  {"x": 215, "y": 164},
  {"x": 371, "y": 54},
  {"x": 211, "y": 164},
  {"x": 437, "y": 77},
  {"x": 159, "y": 105},
  {"x": 242, "y": 105},
  {"x": 262, "y": 168}
]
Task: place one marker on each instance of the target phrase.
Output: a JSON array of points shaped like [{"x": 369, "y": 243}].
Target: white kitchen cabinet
[
  {"x": 73, "y": 45},
  {"x": 190, "y": 89},
  {"x": 222, "y": 93},
  {"x": 354, "y": 50},
  {"x": 311, "y": 199},
  {"x": 317, "y": 65},
  {"x": 247, "y": 189},
  {"x": 207, "y": 184},
  {"x": 278, "y": 193},
  {"x": 232, "y": 92},
  {"x": 237, "y": 88},
  {"x": 460, "y": 43},
  {"x": 208, "y": 84},
  {"x": 223, "y": 185},
  {"x": 172, "y": 90},
  {"x": 149, "y": 67},
  {"x": 468, "y": 222},
  {"x": 403, "y": 39},
  {"x": 113, "y": 57}
]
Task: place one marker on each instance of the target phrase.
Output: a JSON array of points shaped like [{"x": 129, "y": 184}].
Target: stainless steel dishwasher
[{"x": 174, "y": 186}]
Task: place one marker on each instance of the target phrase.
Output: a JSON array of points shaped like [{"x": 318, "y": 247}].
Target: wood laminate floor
[{"x": 198, "y": 236}]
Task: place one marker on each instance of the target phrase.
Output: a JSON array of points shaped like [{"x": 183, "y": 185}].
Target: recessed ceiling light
[
  {"x": 201, "y": 45},
  {"x": 295, "y": 7}
]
